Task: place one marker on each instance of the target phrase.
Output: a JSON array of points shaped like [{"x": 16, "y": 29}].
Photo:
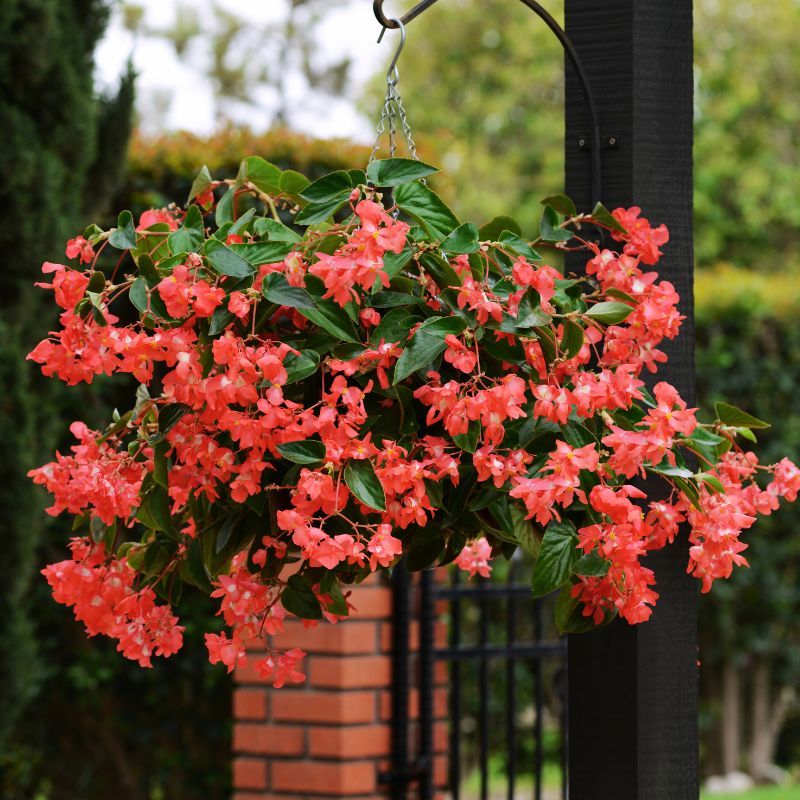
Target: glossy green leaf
[
  {"x": 609, "y": 312},
  {"x": 518, "y": 245},
  {"x": 331, "y": 318},
  {"x": 305, "y": 451},
  {"x": 561, "y": 204},
  {"x": 200, "y": 184},
  {"x": 223, "y": 213},
  {"x": 293, "y": 183},
  {"x": 123, "y": 237},
  {"x": 571, "y": 340},
  {"x": 463, "y": 240},
  {"x": 396, "y": 171},
  {"x": 530, "y": 313},
  {"x": 301, "y": 366},
  {"x": 314, "y": 213},
  {"x": 394, "y": 326},
  {"x": 298, "y": 598},
  {"x": 278, "y": 290},
  {"x": 591, "y": 565},
  {"x": 605, "y": 217},
  {"x": 731, "y": 415},
  {"x": 226, "y": 261},
  {"x": 191, "y": 234},
  {"x": 258, "y": 253},
  {"x": 275, "y": 231},
  {"x": 427, "y": 208},
  {"x": 469, "y": 441},
  {"x": 393, "y": 300},
  {"x": 261, "y": 173},
  {"x": 548, "y": 227},
  {"x": 328, "y": 187},
  {"x": 170, "y": 415},
  {"x": 557, "y": 556},
  {"x": 490, "y": 232},
  {"x": 360, "y": 477}
]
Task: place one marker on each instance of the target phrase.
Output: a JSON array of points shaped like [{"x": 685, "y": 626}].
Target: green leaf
[
  {"x": 298, "y": 598},
  {"x": 561, "y": 204},
  {"x": 393, "y": 263},
  {"x": 306, "y": 451},
  {"x": 293, "y": 183},
  {"x": 557, "y": 556},
  {"x": 362, "y": 481},
  {"x": 242, "y": 222},
  {"x": 591, "y": 565},
  {"x": 426, "y": 344},
  {"x": 160, "y": 465},
  {"x": 156, "y": 507},
  {"x": 328, "y": 187},
  {"x": 712, "y": 481},
  {"x": 258, "y": 253},
  {"x": 731, "y": 415},
  {"x": 602, "y": 215},
  {"x": 530, "y": 313},
  {"x": 224, "y": 210},
  {"x": 571, "y": 340},
  {"x": 278, "y": 290},
  {"x": 393, "y": 300},
  {"x": 548, "y": 229},
  {"x": 427, "y": 208},
  {"x": 275, "y": 231},
  {"x": 315, "y": 213},
  {"x": 518, "y": 245},
  {"x": 193, "y": 569},
  {"x": 396, "y": 171},
  {"x": 300, "y": 367},
  {"x": 394, "y": 326},
  {"x": 329, "y": 585},
  {"x": 463, "y": 240},
  {"x": 569, "y": 616},
  {"x": 200, "y": 184},
  {"x": 331, "y": 318},
  {"x": 226, "y": 261},
  {"x": 123, "y": 237},
  {"x": 490, "y": 232},
  {"x": 469, "y": 441},
  {"x": 671, "y": 472},
  {"x": 220, "y": 320},
  {"x": 170, "y": 415},
  {"x": 609, "y": 312},
  {"x": 189, "y": 237},
  {"x": 261, "y": 173}
]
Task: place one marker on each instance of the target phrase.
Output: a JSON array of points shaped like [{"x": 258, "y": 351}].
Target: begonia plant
[{"x": 337, "y": 375}]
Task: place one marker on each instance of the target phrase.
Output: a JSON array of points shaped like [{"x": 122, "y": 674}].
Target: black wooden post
[{"x": 633, "y": 690}]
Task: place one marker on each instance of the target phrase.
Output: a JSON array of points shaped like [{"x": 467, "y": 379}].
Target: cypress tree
[{"x": 62, "y": 155}]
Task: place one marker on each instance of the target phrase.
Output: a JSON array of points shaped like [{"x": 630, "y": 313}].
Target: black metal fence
[{"x": 506, "y": 688}]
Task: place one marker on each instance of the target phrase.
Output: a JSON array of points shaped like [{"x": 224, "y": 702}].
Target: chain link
[{"x": 392, "y": 114}]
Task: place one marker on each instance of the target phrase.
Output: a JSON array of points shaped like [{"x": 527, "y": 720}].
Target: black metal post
[
  {"x": 398, "y": 776},
  {"x": 633, "y": 690}
]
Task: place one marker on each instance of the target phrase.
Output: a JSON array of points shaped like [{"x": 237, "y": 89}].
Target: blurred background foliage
[{"x": 483, "y": 85}]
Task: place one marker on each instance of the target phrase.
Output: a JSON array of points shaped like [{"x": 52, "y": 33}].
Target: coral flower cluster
[{"x": 330, "y": 381}]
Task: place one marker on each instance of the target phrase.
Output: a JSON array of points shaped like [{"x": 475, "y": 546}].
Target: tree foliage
[{"x": 59, "y": 139}]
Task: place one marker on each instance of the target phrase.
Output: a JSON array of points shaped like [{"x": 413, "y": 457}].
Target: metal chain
[{"x": 392, "y": 113}]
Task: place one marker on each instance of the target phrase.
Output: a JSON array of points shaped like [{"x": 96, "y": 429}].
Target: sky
[{"x": 173, "y": 93}]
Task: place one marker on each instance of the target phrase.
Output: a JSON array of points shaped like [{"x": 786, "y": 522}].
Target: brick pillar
[
  {"x": 325, "y": 738},
  {"x": 331, "y": 736}
]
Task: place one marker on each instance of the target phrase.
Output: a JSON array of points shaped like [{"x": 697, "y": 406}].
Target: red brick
[
  {"x": 250, "y": 796},
  {"x": 249, "y": 773},
  {"x": 348, "y": 637},
  {"x": 440, "y": 771},
  {"x": 249, "y": 704},
  {"x": 440, "y": 737},
  {"x": 371, "y": 602},
  {"x": 353, "y": 741},
  {"x": 386, "y": 636},
  {"x": 281, "y": 740},
  {"x": 343, "y": 708},
  {"x": 318, "y": 777},
  {"x": 354, "y": 672}
]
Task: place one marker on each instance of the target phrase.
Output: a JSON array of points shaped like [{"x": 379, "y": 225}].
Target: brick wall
[{"x": 329, "y": 737}]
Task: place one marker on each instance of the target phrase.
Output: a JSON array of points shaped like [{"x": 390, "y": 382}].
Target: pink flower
[{"x": 475, "y": 557}]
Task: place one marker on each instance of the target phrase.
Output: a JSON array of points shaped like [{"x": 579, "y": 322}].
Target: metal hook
[{"x": 392, "y": 74}]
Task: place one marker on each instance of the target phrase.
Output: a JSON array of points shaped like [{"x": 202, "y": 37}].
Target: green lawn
[{"x": 761, "y": 793}]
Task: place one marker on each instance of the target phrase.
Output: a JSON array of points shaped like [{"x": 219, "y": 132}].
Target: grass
[{"x": 760, "y": 793}]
